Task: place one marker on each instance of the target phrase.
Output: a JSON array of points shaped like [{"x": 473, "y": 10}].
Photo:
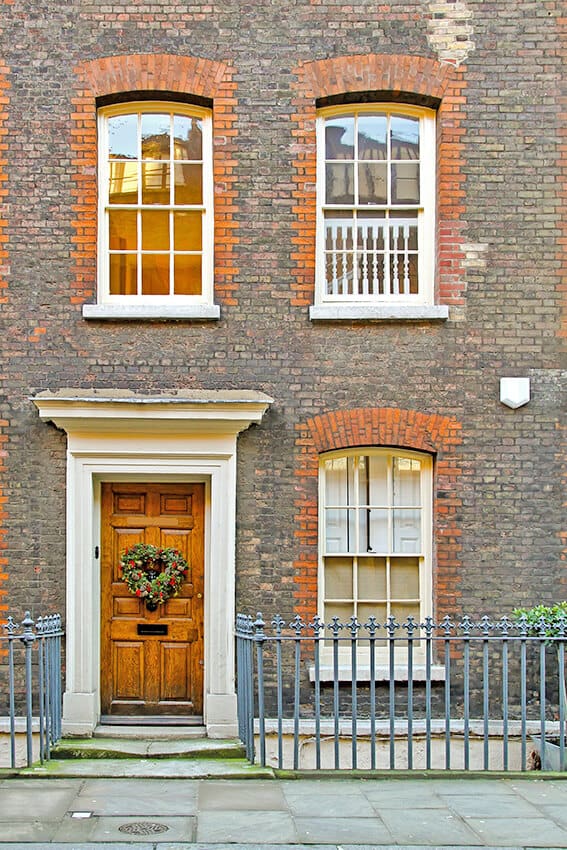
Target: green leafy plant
[
  {"x": 549, "y": 621},
  {"x": 544, "y": 620}
]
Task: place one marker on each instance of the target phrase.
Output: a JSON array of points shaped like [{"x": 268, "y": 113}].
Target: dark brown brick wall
[{"x": 501, "y": 268}]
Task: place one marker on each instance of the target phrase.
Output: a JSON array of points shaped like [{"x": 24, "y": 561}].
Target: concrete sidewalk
[{"x": 257, "y": 813}]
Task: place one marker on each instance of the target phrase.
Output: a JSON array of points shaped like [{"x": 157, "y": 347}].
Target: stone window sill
[
  {"x": 378, "y": 312},
  {"x": 382, "y": 671},
  {"x": 141, "y": 312}
]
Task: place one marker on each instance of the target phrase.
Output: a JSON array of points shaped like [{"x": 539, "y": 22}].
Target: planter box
[{"x": 550, "y": 754}]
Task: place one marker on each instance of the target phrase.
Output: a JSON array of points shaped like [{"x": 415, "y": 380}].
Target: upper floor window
[
  {"x": 155, "y": 206},
  {"x": 376, "y": 205}
]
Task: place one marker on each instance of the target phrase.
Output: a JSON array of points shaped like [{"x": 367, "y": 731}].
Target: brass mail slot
[{"x": 152, "y": 629}]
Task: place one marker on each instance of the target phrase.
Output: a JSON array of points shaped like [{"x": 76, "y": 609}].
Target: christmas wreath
[{"x": 153, "y": 574}]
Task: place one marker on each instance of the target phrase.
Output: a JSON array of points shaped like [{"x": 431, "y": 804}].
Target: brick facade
[
  {"x": 500, "y": 268},
  {"x": 4, "y": 269}
]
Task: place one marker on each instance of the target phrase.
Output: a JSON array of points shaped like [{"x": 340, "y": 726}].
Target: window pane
[
  {"x": 155, "y": 136},
  {"x": 123, "y": 183},
  {"x": 372, "y": 131},
  {"x": 187, "y": 228},
  {"x": 371, "y": 609},
  {"x": 378, "y": 537},
  {"x": 340, "y": 183},
  {"x": 188, "y": 184},
  {"x": 404, "y": 578},
  {"x": 337, "y": 531},
  {"x": 122, "y": 234},
  {"x": 155, "y": 274},
  {"x": 155, "y": 230},
  {"x": 404, "y": 137},
  {"x": 187, "y": 137},
  {"x": 407, "y": 531},
  {"x": 406, "y": 481},
  {"x": 372, "y": 578},
  {"x": 188, "y": 274},
  {"x": 123, "y": 137},
  {"x": 372, "y": 183},
  {"x": 342, "y": 610},
  {"x": 338, "y": 578},
  {"x": 339, "y": 138},
  {"x": 378, "y": 476},
  {"x": 155, "y": 183},
  {"x": 405, "y": 183},
  {"x": 401, "y": 612},
  {"x": 336, "y": 481},
  {"x": 123, "y": 274}
]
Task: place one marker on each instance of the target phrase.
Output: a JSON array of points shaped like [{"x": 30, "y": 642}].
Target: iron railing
[
  {"x": 470, "y": 694},
  {"x": 32, "y": 651}
]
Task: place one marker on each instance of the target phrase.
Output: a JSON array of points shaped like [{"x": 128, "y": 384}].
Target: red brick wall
[
  {"x": 397, "y": 75},
  {"x": 4, "y": 103},
  {"x": 152, "y": 72},
  {"x": 381, "y": 426}
]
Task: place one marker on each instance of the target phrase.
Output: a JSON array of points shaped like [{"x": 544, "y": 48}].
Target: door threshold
[{"x": 150, "y": 720}]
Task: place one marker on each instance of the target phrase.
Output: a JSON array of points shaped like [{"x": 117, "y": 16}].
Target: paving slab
[
  {"x": 136, "y": 797},
  {"x": 348, "y": 805},
  {"x": 228, "y": 827},
  {"x": 533, "y": 832},
  {"x": 420, "y": 826},
  {"x": 19, "y": 800},
  {"x": 490, "y": 805},
  {"x": 226, "y": 795},
  {"x": 339, "y": 830},
  {"x": 542, "y": 791}
]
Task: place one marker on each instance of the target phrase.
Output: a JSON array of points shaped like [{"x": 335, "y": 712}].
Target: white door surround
[{"x": 120, "y": 436}]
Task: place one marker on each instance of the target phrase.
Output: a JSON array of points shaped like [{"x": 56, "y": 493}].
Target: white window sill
[
  {"x": 378, "y": 312},
  {"x": 200, "y": 312},
  {"x": 382, "y": 673}
]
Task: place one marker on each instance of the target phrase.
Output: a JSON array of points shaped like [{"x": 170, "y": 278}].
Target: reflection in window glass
[{"x": 154, "y": 201}]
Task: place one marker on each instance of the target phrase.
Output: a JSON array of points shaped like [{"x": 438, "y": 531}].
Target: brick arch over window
[
  {"x": 399, "y": 76},
  {"x": 384, "y": 427},
  {"x": 152, "y": 73}
]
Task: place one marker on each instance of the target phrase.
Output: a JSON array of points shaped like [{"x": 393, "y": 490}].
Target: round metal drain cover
[{"x": 143, "y": 828}]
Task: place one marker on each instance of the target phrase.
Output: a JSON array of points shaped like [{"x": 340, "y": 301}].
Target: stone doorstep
[{"x": 146, "y": 742}]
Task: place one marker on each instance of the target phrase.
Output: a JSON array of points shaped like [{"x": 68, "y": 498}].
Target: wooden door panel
[
  {"x": 128, "y": 664},
  {"x": 176, "y": 666},
  {"x": 152, "y": 661}
]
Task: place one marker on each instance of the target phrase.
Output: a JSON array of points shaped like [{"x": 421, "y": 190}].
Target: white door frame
[{"x": 159, "y": 439}]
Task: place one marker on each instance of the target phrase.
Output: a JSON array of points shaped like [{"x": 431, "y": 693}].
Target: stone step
[
  {"x": 149, "y": 746},
  {"x": 147, "y": 768}
]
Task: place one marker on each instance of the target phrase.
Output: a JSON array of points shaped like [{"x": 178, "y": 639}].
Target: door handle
[{"x": 199, "y": 596}]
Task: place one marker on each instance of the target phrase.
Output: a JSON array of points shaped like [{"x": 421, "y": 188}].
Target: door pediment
[{"x": 124, "y": 412}]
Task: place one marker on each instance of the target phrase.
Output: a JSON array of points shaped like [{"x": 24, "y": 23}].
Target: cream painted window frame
[
  {"x": 155, "y": 306},
  {"x": 426, "y": 587},
  {"x": 421, "y": 305}
]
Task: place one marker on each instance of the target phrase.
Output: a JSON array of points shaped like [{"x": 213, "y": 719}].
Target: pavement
[{"x": 87, "y": 812}]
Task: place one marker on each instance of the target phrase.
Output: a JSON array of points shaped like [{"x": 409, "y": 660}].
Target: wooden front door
[{"x": 152, "y": 661}]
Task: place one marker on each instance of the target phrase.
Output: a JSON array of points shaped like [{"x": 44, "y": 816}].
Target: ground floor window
[{"x": 375, "y": 535}]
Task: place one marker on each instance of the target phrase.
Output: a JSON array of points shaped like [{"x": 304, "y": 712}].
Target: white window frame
[
  {"x": 155, "y": 306},
  {"x": 411, "y": 306},
  {"x": 425, "y": 575}
]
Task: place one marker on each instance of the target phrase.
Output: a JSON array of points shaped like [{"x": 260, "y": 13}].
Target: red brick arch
[
  {"x": 380, "y": 426},
  {"x": 397, "y": 75},
  {"x": 142, "y": 73}
]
